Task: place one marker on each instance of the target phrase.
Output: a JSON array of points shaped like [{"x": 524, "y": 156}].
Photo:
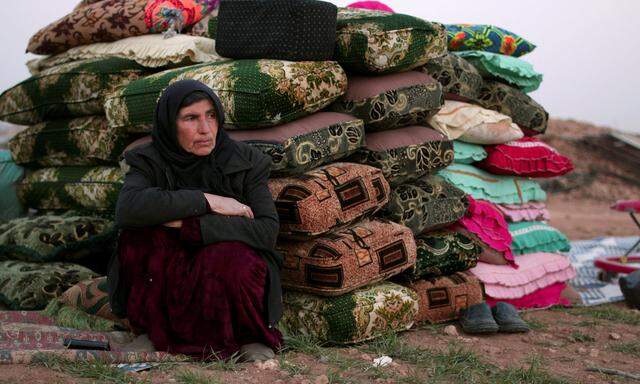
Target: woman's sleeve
[
  {"x": 141, "y": 204},
  {"x": 260, "y": 232}
]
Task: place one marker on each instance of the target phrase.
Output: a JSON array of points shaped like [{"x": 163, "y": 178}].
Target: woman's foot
[{"x": 256, "y": 352}]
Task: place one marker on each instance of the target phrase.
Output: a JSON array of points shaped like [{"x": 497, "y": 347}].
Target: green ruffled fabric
[
  {"x": 467, "y": 153},
  {"x": 509, "y": 69},
  {"x": 482, "y": 185},
  {"x": 537, "y": 236}
]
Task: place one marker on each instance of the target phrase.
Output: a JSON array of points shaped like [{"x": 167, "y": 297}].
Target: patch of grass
[
  {"x": 231, "y": 364},
  {"x": 579, "y": 337},
  {"x": 587, "y": 323},
  {"x": 102, "y": 372},
  {"x": 292, "y": 368},
  {"x": 303, "y": 343},
  {"x": 606, "y": 312},
  {"x": 335, "y": 377},
  {"x": 194, "y": 377},
  {"x": 631, "y": 348},
  {"x": 531, "y": 375},
  {"x": 535, "y": 324}
]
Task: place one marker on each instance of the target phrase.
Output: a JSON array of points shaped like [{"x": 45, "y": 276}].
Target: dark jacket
[{"x": 149, "y": 198}]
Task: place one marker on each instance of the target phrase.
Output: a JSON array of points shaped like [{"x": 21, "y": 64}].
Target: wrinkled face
[{"x": 197, "y": 128}]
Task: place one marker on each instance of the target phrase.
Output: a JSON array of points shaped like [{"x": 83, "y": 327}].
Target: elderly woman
[{"x": 195, "y": 267}]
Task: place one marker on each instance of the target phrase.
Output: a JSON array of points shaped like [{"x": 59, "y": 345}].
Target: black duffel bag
[{"x": 294, "y": 30}]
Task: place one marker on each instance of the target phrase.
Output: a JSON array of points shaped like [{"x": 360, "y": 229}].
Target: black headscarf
[{"x": 190, "y": 171}]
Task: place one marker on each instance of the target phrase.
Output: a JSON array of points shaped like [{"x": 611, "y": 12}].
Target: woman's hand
[
  {"x": 173, "y": 224},
  {"x": 228, "y": 206}
]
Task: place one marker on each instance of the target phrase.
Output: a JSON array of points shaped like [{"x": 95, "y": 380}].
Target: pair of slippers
[{"x": 481, "y": 319}]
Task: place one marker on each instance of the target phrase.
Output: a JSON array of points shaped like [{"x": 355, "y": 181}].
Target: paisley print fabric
[
  {"x": 306, "y": 143},
  {"x": 426, "y": 204},
  {"x": 391, "y": 101},
  {"x": 361, "y": 315},
  {"x": 69, "y": 90},
  {"x": 78, "y": 188},
  {"x": 442, "y": 253},
  {"x": 254, "y": 93},
  {"x": 406, "y": 154},
  {"x": 442, "y": 299},
  {"x": 347, "y": 259},
  {"x": 80, "y": 141},
  {"x": 56, "y": 238},
  {"x": 470, "y": 37},
  {"x": 30, "y": 286},
  {"x": 162, "y": 15},
  {"x": 525, "y": 112},
  {"x": 459, "y": 79},
  {"x": 378, "y": 42},
  {"x": 341, "y": 192}
]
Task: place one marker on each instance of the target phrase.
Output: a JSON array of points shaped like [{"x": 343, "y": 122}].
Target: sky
[{"x": 587, "y": 50}]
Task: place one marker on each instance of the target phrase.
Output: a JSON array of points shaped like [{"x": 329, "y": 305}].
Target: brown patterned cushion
[
  {"x": 442, "y": 299},
  {"x": 327, "y": 198},
  {"x": 102, "y": 21},
  {"x": 391, "y": 101},
  {"x": 347, "y": 259},
  {"x": 407, "y": 153}
]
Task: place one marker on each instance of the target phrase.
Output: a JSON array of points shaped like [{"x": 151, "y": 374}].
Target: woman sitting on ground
[{"x": 195, "y": 267}]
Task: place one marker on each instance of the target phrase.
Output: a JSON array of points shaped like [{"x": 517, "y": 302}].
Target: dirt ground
[{"x": 563, "y": 343}]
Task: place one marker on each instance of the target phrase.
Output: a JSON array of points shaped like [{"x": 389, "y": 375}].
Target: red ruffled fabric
[
  {"x": 485, "y": 221},
  {"x": 193, "y": 299},
  {"x": 542, "y": 298},
  {"x": 525, "y": 157}
]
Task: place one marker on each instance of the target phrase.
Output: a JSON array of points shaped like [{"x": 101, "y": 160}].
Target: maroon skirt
[{"x": 203, "y": 301}]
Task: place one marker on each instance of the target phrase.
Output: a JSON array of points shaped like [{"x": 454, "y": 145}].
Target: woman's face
[{"x": 197, "y": 128}]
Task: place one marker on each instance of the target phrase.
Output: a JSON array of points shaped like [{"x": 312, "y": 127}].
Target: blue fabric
[{"x": 10, "y": 207}]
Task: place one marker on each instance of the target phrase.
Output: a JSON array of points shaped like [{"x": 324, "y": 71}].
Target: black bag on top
[{"x": 294, "y": 30}]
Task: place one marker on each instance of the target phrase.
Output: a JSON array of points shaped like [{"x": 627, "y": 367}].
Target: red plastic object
[
  {"x": 615, "y": 264},
  {"x": 627, "y": 206}
]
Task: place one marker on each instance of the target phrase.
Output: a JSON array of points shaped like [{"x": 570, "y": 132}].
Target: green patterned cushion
[
  {"x": 459, "y": 79},
  {"x": 361, "y": 315},
  {"x": 523, "y": 110},
  {"x": 467, "y": 153},
  {"x": 30, "y": 286},
  {"x": 254, "y": 93},
  {"x": 79, "y": 188},
  {"x": 80, "y": 141},
  {"x": 379, "y": 42},
  {"x": 69, "y": 90},
  {"x": 426, "y": 204},
  {"x": 56, "y": 238},
  {"x": 442, "y": 253},
  {"x": 537, "y": 236},
  {"x": 306, "y": 143},
  {"x": 391, "y": 101},
  {"x": 482, "y": 185},
  {"x": 405, "y": 154}
]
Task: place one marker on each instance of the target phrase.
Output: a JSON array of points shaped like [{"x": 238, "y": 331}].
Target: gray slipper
[
  {"x": 508, "y": 319},
  {"x": 256, "y": 352},
  {"x": 477, "y": 319}
]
